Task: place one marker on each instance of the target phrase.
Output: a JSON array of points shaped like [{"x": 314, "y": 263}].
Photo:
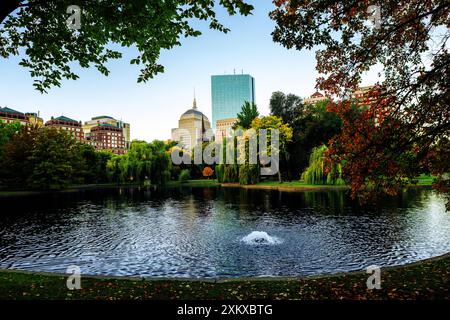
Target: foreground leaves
[{"x": 423, "y": 280}]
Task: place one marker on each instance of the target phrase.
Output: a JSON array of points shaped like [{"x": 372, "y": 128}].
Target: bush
[
  {"x": 231, "y": 173},
  {"x": 184, "y": 175},
  {"x": 165, "y": 177},
  {"x": 219, "y": 173},
  {"x": 316, "y": 173},
  {"x": 248, "y": 174},
  {"x": 208, "y": 172}
]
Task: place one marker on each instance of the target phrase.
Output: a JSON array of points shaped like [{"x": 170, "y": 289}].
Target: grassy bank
[
  {"x": 194, "y": 183},
  {"x": 423, "y": 181},
  {"x": 428, "y": 279},
  {"x": 73, "y": 188},
  {"x": 294, "y": 186}
]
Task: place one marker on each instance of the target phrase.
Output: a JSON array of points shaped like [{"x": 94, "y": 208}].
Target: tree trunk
[{"x": 7, "y": 7}]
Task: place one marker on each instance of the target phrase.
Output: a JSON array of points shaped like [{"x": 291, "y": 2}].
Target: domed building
[{"x": 192, "y": 127}]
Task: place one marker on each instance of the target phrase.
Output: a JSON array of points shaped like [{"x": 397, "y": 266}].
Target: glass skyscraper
[{"x": 229, "y": 92}]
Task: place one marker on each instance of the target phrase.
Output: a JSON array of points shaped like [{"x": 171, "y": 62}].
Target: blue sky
[{"x": 154, "y": 108}]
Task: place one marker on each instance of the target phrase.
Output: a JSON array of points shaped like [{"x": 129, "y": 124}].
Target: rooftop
[
  {"x": 193, "y": 112},
  {"x": 102, "y": 117},
  {"x": 66, "y": 119},
  {"x": 10, "y": 111},
  {"x": 107, "y": 125},
  {"x": 317, "y": 94}
]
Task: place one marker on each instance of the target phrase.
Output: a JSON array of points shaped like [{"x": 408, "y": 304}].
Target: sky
[{"x": 154, "y": 108}]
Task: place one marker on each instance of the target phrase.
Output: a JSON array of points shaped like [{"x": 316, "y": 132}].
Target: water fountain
[{"x": 260, "y": 237}]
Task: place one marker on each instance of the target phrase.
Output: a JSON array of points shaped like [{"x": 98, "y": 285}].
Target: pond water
[{"x": 218, "y": 232}]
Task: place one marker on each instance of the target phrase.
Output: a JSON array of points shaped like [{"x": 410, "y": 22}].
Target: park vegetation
[
  {"x": 45, "y": 158},
  {"x": 39, "y": 31},
  {"x": 400, "y": 131},
  {"x": 402, "y": 127}
]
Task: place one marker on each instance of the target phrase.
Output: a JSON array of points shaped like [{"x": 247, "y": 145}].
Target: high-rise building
[
  {"x": 192, "y": 127},
  {"x": 229, "y": 92},
  {"x": 95, "y": 121},
  {"x": 105, "y": 136},
  {"x": 73, "y": 127}
]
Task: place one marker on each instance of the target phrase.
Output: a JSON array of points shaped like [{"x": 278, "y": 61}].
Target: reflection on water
[{"x": 198, "y": 232}]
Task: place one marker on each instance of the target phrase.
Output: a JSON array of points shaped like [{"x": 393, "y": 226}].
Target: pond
[{"x": 218, "y": 232}]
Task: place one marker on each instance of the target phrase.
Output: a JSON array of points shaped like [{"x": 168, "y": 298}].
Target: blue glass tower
[{"x": 229, "y": 92}]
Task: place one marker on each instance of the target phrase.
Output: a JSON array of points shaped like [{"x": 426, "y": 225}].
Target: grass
[
  {"x": 425, "y": 180},
  {"x": 428, "y": 279},
  {"x": 286, "y": 186},
  {"x": 189, "y": 183},
  {"x": 72, "y": 188},
  {"x": 194, "y": 183},
  {"x": 294, "y": 184}
]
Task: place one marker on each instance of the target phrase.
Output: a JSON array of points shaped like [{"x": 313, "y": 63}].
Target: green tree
[
  {"x": 144, "y": 162},
  {"x": 39, "y": 29},
  {"x": 94, "y": 167},
  {"x": 7, "y": 131},
  {"x": 249, "y": 174},
  {"x": 315, "y": 127},
  {"x": 113, "y": 169},
  {"x": 139, "y": 161},
  {"x": 42, "y": 158},
  {"x": 161, "y": 162},
  {"x": 319, "y": 172},
  {"x": 15, "y": 166},
  {"x": 229, "y": 172},
  {"x": 287, "y": 107},
  {"x": 312, "y": 126},
  {"x": 285, "y": 136},
  {"x": 248, "y": 113},
  {"x": 55, "y": 159},
  {"x": 220, "y": 172}
]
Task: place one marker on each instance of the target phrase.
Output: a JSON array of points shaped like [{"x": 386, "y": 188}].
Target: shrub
[
  {"x": 219, "y": 173},
  {"x": 248, "y": 174},
  {"x": 231, "y": 173},
  {"x": 208, "y": 172},
  {"x": 316, "y": 173},
  {"x": 184, "y": 175}
]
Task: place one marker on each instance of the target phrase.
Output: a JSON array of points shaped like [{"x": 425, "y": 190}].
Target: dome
[{"x": 192, "y": 113}]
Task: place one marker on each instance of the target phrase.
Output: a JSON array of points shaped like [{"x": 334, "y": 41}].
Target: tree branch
[{"x": 7, "y": 7}]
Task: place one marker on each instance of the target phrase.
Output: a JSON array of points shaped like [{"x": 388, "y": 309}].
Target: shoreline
[
  {"x": 423, "y": 279},
  {"x": 222, "y": 280},
  {"x": 282, "y": 187}
]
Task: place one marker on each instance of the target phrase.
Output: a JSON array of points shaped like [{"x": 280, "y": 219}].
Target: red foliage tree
[{"x": 401, "y": 128}]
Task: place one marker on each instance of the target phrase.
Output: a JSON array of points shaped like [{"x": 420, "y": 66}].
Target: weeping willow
[{"x": 315, "y": 173}]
